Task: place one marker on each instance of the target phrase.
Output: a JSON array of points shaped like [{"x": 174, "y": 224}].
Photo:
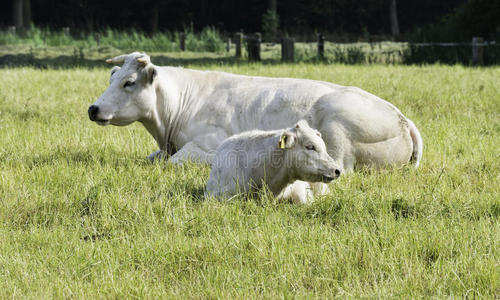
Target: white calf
[{"x": 276, "y": 158}]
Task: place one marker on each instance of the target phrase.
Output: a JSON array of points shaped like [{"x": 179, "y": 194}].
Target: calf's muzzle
[{"x": 331, "y": 175}]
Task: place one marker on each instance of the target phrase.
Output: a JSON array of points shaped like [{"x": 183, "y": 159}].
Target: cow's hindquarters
[
  {"x": 361, "y": 129},
  {"x": 395, "y": 151}
]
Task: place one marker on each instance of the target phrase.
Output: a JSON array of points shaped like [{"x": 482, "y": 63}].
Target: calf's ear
[
  {"x": 287, "y": 140},
  {"x": 302, "y": 124}
]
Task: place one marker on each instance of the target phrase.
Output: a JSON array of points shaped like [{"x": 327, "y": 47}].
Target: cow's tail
[{"x": 418, "y": 144}]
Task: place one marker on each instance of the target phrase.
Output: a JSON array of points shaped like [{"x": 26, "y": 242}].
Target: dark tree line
[{"x": 350, "y": 17}]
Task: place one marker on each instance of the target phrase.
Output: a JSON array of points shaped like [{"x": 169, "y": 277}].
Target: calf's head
[
  {"x": 306, "y": 156},
  {"x": 131, "y": 94}
]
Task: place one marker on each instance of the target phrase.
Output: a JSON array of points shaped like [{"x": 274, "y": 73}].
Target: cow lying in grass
[
  {"x": 189, "y": 113},
  {"x": 277, "y": 158}
]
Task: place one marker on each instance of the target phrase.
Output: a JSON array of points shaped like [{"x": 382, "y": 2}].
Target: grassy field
[{"x": 83, "y": 215}]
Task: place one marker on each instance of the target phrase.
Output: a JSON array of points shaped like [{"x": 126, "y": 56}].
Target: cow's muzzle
[
  {"x": 93, "y": 115},
  {"x": 93, "y": 111}
]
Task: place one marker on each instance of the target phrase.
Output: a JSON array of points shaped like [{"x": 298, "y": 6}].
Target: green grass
[{"x": 83, "y": 215}]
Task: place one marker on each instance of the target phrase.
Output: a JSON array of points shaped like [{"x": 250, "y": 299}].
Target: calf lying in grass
[{"x": 278, "y": 158}]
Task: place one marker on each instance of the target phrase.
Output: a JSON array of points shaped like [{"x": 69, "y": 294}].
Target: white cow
[
  {"x": 246, "y": 161},
  {"x": 189, "y": 113}
]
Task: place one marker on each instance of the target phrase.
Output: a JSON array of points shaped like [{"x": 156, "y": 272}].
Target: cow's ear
[
  {"x": 114, "y": 69},
  {"x": 152, "y": 73},
  {"x": 287, "y": 140}
]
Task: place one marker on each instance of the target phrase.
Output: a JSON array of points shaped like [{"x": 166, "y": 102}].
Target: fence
[{"x": 478, "y": 52}]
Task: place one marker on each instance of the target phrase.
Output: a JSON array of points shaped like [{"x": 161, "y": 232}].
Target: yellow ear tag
[{"x": 282, "y": 142}]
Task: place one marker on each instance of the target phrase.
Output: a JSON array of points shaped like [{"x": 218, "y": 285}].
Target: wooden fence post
[
  {"x": 228, "y": 44},
  {"x": 182, "y": 41},
  {"x": 253, "y": 46},
  {"x": 321, "y": 46},
  {"x": 287, "y": 49},
  {"x": 477, "y": 51},
  {"x": 98, "y": 39},
  {"x": 238, "y": 39}
]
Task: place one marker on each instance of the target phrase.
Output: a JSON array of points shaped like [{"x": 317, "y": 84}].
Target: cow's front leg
[{"x": 192, "y": 152}]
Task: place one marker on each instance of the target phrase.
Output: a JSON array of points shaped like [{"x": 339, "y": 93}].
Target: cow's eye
[
  {"x": 129, "y": 83},
  {"x": 310, "y": 147}
]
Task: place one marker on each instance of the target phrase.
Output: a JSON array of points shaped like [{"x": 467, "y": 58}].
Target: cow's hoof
[{"x": 157, "y": 156}]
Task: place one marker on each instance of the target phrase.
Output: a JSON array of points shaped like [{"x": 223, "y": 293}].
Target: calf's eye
[
  {"x": 310, "y": 147},
  {"x": 129, "y": 83}
]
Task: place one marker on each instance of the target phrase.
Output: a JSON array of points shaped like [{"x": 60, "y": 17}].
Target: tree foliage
[{"x": 438, "y": 19}]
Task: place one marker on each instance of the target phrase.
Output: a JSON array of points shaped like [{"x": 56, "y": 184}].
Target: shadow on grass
[
  {"x": 59, "y": 62},
  {"x": 85, "y": 157},
  {"x": 69, "y": 61},
  {"x": 195, "y": 194}
]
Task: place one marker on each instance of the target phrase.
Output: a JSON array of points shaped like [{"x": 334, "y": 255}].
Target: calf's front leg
[{"x": 299, "y": 192}]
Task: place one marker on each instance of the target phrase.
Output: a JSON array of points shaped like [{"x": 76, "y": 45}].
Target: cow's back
[{"x": 265, "y": 103}]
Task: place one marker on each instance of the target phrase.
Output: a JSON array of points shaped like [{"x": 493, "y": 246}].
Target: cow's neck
[{"x": 174, "y": 94}]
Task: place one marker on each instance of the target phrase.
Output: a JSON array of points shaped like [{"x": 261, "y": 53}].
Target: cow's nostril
[
  {"x": 337, "y": 172},
  {"x": 93, "y": 110}
]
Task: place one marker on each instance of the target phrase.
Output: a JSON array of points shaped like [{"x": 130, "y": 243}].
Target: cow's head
[
  {"x": 131, "y": 94},
  {"x": 306, "y": 154}
]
